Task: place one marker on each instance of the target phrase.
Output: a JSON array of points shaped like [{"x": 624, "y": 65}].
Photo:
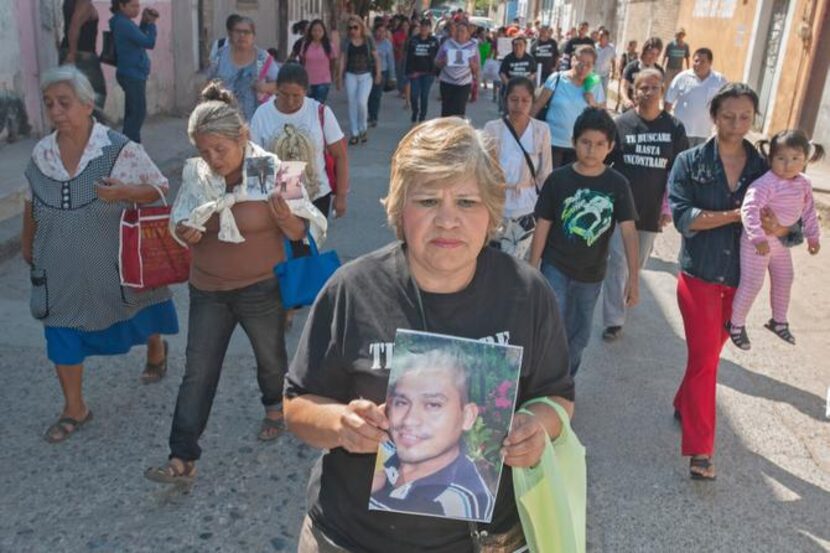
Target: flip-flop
[
  {"x": 59, "y": 432},
  {"x": 265, "y": 429},
  {"x": 153, "y": 372},
  {"x": 169, "y": 475}
]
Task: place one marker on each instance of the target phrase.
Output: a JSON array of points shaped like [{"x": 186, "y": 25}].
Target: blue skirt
[{"x": 70, "y": 346}]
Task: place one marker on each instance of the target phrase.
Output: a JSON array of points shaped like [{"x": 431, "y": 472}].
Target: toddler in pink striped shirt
[{"x": 786, "y": 191}]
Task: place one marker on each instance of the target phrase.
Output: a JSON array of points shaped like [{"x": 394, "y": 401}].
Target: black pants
[
  {"x": 562, "y": 156},
  {"x": 454, "y": 99}
]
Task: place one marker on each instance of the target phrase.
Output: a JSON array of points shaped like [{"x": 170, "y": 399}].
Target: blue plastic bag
[{"x": 302, "y": 278}]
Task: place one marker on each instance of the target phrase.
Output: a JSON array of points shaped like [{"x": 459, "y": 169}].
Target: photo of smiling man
[{"x": 427, "y": 467}]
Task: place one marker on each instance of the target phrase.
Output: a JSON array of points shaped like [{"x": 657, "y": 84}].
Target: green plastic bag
[
  {"x": 552, "y": 496},
  {"x": 590, "y": 82}
]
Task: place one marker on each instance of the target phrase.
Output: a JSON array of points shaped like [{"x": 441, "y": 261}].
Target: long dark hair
[
  {"x": 794, "y": 139},
  {"x": 324, "y": 41}
]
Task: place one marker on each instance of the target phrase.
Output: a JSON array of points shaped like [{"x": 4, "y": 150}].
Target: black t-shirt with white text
[
  {"x": 644, "y": 152},
  {"x": 513, "y": 66},
  {"x": 545, "y": 52},
  {"x": 569, "y": 49},
  {"x": 420, "y": 55},
  {"x": 344, "y": 354},
  {"x": 583, "y": 212}
]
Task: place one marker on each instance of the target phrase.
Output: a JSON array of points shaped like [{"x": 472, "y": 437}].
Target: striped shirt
[
  {"x": 789, "y": 199},
  {"x": 461, "y": 60}
]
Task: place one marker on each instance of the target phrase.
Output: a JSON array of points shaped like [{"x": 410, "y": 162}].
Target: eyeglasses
[
  {"x": 243, "y": 32},
  {"x": 353, "y": 27}
]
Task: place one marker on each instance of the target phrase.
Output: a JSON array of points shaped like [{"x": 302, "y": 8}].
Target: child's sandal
[
  {"x": 738, "y": 336},
  {"x": 782, "y": 330}
]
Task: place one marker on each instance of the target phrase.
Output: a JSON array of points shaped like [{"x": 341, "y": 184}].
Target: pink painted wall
[
  {"x": 29, "y": 84},
  {"x": 161, "y": 93}
]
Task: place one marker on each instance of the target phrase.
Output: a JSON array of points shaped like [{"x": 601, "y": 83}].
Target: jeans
[
  {"x": 319, "y": 92},
  {"x": 616, "y": 276},
  {"x": 358, "y": 88},
  {"x": 419, "y": 95},
  {"x": 576, "y": 306},
  {"x": 376, "y": 95},
  {"x": 135, "y": 106},
  {"x": 454, "y": 99},
  {"x": 212, "y": 319}
]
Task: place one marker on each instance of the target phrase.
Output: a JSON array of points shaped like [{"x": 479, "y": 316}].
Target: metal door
[{"x": 772, "y": 52}]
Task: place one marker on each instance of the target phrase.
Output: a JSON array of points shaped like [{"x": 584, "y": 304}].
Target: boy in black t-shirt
[{"x": 576, "y": 213}]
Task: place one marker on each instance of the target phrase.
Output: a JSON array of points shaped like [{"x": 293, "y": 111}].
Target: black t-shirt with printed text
[
  {"x": 569, "y": 49},
  {"x": 513, "y": 66},
  {"x": 344, "y": 354},
  {"x": 644, "y": 152},
  {"x": 420, "y": 55},
  {"x": 583, "y": 212},
  {"x": 545, "y": 52}
]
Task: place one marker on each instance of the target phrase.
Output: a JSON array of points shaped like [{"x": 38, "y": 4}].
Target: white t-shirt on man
[
  {"x": 690, "y": 97},
  {"x": 268, "y": 124}
]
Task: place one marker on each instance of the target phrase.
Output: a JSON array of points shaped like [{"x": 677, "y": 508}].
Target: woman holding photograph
[
  {"x": 297, "y": 123},
  {"x": 445, "y": 202},
  {"x": 231, "y": 277}
]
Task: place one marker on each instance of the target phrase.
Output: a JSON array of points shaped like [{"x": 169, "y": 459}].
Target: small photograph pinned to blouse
[
  {"x": 450, "y": 404},
  {"x": 260, "y": 177}
]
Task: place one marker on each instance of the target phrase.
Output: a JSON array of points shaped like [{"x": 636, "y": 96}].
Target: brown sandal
[
  {"x": 702, "y": 468},
  {"x": 65, "y": 427},
  {"x": 153, "y": 372},
  {"x": 171, "y": 473},
  {"x": 271, "y": 429}
]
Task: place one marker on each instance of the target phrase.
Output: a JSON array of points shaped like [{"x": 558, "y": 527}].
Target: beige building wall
[{"x": 643, "y": 19}]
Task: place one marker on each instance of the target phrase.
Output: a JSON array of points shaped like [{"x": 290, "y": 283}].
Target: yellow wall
[
  {"x": 793, "y": 77},
  {"x": 728, "y": 38}
]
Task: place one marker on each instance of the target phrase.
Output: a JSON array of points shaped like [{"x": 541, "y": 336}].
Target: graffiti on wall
[
  {"x": 722, "y": 9},
  {"x": 14, "y": 122}
]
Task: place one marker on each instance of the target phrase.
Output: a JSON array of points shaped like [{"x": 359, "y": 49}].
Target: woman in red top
[{"x": 399, "y": 38}]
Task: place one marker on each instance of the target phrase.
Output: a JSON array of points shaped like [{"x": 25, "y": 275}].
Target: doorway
[{"x": 769, "y": 61}]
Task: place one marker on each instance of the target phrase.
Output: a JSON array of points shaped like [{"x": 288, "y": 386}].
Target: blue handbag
[{"x": 302, "y": 278}]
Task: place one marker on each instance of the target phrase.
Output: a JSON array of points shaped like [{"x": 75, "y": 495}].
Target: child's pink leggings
[{"x": 753, "y": 269}]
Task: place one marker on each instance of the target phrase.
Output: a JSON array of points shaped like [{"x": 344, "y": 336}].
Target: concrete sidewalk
[{"x": 165, "y": 139}]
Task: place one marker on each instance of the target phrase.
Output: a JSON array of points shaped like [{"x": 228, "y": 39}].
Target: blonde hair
[
  {"x": 439, "y": 153},
  {"x": 360, "y": 23}
]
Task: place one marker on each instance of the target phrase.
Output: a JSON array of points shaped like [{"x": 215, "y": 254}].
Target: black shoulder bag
[
  {"x": 543, "y": 113},
  {"x": 522, "y": 148}
]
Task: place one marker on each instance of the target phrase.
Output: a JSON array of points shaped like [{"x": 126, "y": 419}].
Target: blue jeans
[
  {"x": 576, "y": 306},
  {"x": 419, "y": 95},
  {"x": 319, "y": 92},
  {"x": 376, "y": 95},
  {"x": 212, "y": 319},
  {"x": 135, "y": 106}
]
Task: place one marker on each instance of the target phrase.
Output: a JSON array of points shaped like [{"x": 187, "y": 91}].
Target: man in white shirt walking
[
  {"x": 606, "y": 64},
  {"x": 689, "y": 94}
]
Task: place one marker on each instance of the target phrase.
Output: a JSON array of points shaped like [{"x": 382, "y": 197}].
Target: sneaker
[{"x": 611, "y": 333}]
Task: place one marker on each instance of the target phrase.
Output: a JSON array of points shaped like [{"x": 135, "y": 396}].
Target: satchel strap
[
  {"x": 289, "y": 252},
  {"x": 522, "y": 148}
]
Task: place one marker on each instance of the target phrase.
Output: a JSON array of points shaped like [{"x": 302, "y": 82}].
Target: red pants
[{"x": 706, "y": 308}]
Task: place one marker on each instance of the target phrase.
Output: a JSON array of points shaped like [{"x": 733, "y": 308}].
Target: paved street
[{"x": 88, "y": 494}]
